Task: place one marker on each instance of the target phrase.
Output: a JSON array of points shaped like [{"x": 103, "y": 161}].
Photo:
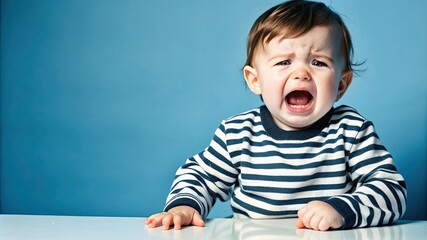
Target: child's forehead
[{"x": 318, "y": 37}]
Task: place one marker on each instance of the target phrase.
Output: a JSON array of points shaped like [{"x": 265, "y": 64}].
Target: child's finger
[
  {"x": 152, "y": 217},
  {"x": 299, "y": 224},
  {"x": 306, "y": 217},
  {"x": 324, "y": 224},
  {"x": 154, "y": 220},
  {"x": 177, "y": 221},
  {"x": 198, "y": 220},
  {"x": 167, "y": 221},
  {"x": 314, "y": 222},
  {"x": 302, "y": 211}
]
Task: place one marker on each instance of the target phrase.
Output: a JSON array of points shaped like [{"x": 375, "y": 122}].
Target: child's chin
[{"x": 298, "y": 122}]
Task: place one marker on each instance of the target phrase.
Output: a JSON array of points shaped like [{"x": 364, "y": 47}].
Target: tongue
[{"x": 299, "y": 97}]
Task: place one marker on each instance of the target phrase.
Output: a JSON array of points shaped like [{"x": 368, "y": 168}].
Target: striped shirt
[{"x": 271, "y": 173}]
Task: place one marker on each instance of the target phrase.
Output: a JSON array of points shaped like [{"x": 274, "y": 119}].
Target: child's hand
[
  {"x": 177, "y": 216},
  {"x": 320, "y": 216}
]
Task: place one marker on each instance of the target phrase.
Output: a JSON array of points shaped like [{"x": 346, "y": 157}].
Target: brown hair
[{"x": 294, "y": 18}]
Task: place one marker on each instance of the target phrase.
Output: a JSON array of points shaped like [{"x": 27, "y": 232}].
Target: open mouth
[{"x": 299, "y": 99}]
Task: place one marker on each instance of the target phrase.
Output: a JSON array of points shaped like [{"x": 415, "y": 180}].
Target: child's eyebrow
[
  {"x": 282, "y": 55},
  {"x": 320, "y": 55}
]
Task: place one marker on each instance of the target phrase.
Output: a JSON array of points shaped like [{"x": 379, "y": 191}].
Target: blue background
[{"x": 101, "y": 101}]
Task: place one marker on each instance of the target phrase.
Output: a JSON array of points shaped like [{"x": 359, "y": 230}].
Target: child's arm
[
  {"x": 203, "y": 178},
  {"x": 378, "y": 194},
  {"x": 178, "y": 217}
]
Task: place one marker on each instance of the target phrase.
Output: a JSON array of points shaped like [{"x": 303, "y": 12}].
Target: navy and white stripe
[{"x": 271, "y": 173}]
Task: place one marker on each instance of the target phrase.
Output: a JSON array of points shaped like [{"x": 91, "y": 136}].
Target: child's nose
[{"x": 301, "y": 73}]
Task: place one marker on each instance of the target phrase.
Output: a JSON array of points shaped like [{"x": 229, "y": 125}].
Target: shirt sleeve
[
  {"x": 204, "y": 177},
  {"x": 378, "y": 196}
]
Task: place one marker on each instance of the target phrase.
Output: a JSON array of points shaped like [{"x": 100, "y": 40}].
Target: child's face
[{"x": 299, "y": 78}]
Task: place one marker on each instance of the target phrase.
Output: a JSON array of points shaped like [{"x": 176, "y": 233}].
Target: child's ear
[
  {"x": 344, "y": 83},
  {"x": 252, "y": 80}
]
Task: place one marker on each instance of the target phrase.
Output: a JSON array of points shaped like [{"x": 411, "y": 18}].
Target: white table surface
[{"x": 66, "y": 227}]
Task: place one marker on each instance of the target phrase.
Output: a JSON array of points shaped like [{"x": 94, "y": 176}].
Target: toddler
[{"x": 297, "y": 155}]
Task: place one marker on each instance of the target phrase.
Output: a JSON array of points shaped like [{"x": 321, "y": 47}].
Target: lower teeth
[{"x": 299, "y": 106}]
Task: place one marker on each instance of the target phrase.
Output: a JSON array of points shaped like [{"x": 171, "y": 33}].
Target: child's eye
[
  {"x": 285, "y": 62},
  {"x": 319, "y": 63}
]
